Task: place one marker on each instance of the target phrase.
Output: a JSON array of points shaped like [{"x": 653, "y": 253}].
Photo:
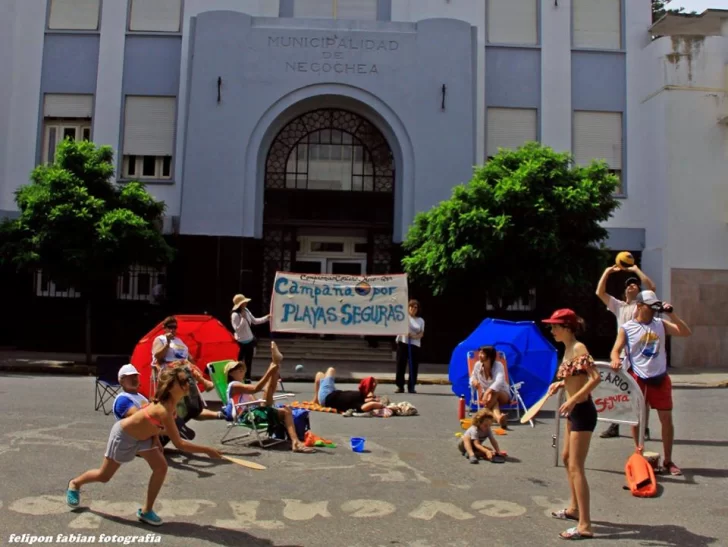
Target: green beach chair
[{"x": 243, "y": 415}]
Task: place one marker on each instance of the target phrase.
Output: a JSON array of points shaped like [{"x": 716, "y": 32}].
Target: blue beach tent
[{"x": 530, "y": 356}]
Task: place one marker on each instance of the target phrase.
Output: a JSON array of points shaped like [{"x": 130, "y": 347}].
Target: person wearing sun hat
[
  {"x": 242, "y": 321},
  {"x": 643, "y": 339}
]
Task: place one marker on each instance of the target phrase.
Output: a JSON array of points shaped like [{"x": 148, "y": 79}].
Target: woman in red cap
[{"x": 578, "y": 376}]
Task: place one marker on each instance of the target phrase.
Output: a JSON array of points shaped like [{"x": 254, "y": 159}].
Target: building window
[
  {"x": 512, "y": 22},
  {"x": 336, "y": 9},
  {"x": 598, "y": 136},
  {"x": 74, "y": 15},
  {"x": 64, "y": 117},
  {"x": 524, "y": 302},
  {"x": 46, "y": 287},
  {"x": 155, "y": 15},
  {"x": 510, "y": 128},
  {"x": 597, "y": 24},
  {"x": 141, "y": 283},
  {"x": 149, "y": 127}
]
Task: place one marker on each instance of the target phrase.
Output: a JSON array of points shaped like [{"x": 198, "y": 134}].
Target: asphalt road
[{"x": 411, "y": 487}]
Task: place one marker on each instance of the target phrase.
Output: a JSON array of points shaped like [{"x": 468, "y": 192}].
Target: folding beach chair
[
  {"x": 515, "y": 404},
  {"x": 107, "y": 381},
  {"x": 242, "y": 412}
]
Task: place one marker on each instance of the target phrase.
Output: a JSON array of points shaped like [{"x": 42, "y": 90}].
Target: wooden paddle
[
  {"x": 531, "y": 412},
  {"x": 245, "y": 463}
]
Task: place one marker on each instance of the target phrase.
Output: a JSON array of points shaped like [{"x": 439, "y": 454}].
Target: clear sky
[{"x": 698, "y": 5}]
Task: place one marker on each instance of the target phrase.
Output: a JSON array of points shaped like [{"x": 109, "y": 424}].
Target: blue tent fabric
[{"x": 530, "y": 356}]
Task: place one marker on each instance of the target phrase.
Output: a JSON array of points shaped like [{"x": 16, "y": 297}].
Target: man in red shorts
[{"x": 643, "y": 339}]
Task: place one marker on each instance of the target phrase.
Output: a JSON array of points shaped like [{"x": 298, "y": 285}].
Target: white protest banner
[
  {"x": 340, "y": 304},
  {"x": 617, "y": 397}
]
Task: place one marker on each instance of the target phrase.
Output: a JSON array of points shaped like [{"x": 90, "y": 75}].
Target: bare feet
[
  {"x": 276, "y": 355},
  {"x": 302, "y": 448}
]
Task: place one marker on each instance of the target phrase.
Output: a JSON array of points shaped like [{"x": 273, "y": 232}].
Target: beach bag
[{"x": 641, "y": 479}]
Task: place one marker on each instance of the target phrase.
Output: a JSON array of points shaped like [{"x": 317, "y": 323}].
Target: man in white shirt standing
[
  {"x": 643, "y": 341},
  {"x": 623, "y": 310},
  {"x": 242, "y": 320}
]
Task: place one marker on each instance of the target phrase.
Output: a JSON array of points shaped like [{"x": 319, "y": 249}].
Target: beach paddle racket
[
  {"x": 531, "y": 412},
  {"x": 245, "y": 463}
]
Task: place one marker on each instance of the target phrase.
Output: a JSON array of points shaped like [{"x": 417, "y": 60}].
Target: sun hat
[
  {"x": 239, "y": 300},
  {"x": 230, "y": 366},
  {"x": 128, "y": 370}
]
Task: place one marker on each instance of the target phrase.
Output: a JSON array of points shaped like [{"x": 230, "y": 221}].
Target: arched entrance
[{"x": 329, "y": 197}]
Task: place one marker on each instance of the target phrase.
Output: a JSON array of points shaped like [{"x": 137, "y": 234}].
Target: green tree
[
  {"x": 660, "y": 9},
  {"x": 81, "y": 229},
  {"x": 527, "y": 219}
]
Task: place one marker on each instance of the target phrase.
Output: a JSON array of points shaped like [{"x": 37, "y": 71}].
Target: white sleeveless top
[{"x": 645, "y": 347}]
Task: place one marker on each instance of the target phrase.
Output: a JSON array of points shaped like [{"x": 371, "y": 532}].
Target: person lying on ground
[
  {"x": 238, "y": 392},
  {"x": 471, "y": 443},
  {"x": 360, "y": 400}
]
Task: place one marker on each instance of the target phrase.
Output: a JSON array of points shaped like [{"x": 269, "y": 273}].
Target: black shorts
[
  {"x": 344, "y": 400},
  {"x": 583, "y": 417}
]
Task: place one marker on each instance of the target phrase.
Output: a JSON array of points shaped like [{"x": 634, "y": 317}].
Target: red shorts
[{"x": 658, "y": 397}]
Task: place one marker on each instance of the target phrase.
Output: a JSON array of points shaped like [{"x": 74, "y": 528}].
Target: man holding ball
[{"x": 624, "y": 310}]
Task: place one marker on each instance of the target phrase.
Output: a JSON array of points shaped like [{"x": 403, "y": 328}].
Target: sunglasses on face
[{"x": 171, "y": 327}]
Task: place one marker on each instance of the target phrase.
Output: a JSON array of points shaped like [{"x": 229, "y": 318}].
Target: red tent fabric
[{"x": 206, "y": 338}]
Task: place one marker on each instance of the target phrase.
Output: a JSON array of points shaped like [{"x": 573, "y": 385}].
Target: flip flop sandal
[
  {"x": 563, "y": 514},
  {"x": 573, "y": 533},
  {"x": 304, "y": 450}
]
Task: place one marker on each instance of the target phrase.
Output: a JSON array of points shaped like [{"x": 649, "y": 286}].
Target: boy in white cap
[
  {"x": 129, "y": 400},
  {"x": 643, "y": 339}
]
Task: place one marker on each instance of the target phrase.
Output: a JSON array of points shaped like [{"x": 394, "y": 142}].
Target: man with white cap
[
  {"x": 643, "y": 339},
  {"x": 129, "y": 400}
]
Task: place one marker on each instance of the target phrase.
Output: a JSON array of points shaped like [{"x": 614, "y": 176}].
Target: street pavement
[{"x": 410, "y": 488}]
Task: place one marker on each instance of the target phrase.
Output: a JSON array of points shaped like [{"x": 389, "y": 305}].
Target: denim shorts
[{"x": 326, "y": 388}]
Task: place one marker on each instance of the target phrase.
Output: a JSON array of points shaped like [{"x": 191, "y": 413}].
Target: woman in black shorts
[
  {"x": 578, "y": 376},
  {"x": 360, "y": 400}
]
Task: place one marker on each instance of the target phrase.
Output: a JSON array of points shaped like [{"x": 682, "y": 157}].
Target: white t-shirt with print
[
  {"x": 645, "y": 347},
  {"x": 416, "y": 326},
  {"x": 176, "y": 351}
]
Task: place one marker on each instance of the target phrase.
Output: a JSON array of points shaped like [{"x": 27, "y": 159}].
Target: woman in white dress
[{"x": 489, "y": 380}]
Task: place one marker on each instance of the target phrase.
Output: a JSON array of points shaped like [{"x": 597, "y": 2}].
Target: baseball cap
[
  {"x": 127, "y": 370},
  {"x": 232, "y": 365},
  {"x": 564, "y": 316},
  {"x": 647, "y": 297},
  {"x": 630, "y": 280}
]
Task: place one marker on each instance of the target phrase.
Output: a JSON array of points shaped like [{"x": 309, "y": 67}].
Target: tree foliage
[
  {"x": 660, "y": 9},
  {"x": 78, "y": 226},
  {"x": 528, "y": 217}
]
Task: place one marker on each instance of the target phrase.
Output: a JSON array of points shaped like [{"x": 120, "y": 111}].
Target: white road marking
[
  {"x": 246, "y": 517},
  {"x": 429, "y": 509},
  {"x": 498, "y": 508},
  {"x": 550, "y": 504},
  {"x": 367, "y": 508},
  {"x": 300, "y": 510}
]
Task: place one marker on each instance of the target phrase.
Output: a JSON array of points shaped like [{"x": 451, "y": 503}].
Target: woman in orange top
[
  {"x": 578, "y": 377},
  {"x": 137, "y": 434}
]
